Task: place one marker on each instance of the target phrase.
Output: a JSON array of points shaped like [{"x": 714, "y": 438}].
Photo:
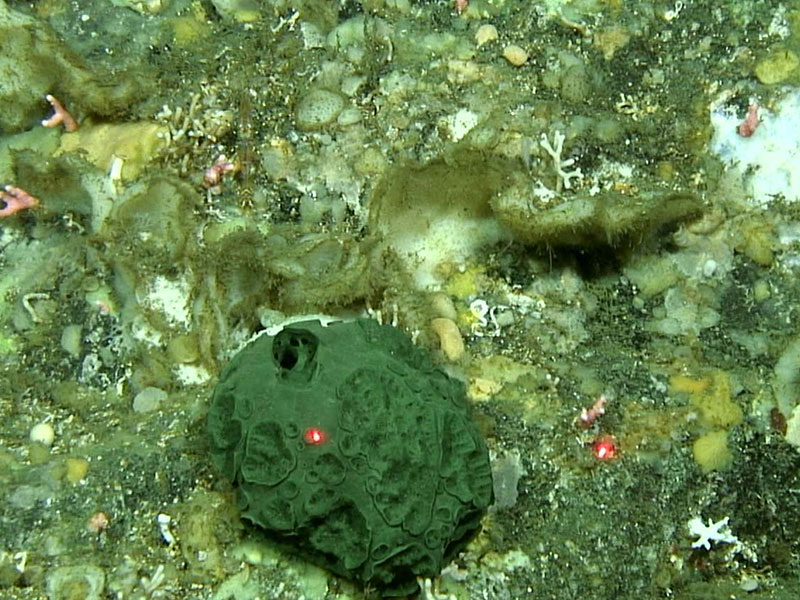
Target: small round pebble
[
  {"x": 318, "y": 109},
  {"x": 749, "y": 585},
  {"x": 149, "y": 399},
  {"x": 43, "y": 434},
  {"x": 515, "y": 55},
  {"x": 484, "y": 34}
]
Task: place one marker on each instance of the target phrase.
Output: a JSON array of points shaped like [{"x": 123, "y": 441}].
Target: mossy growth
[
  {"x": 205, "y": 524},
  {"x": 409, "y": 196},
  {"x": 711, "y": 451},
  {"x": 293, "y": 269},
  {"x": 438, "y": 214},
  {"x": 610, "y": 218},
  {"x": 58, "y": 179},
  {"x": 34, "y": 61},
  {"x": 154, "y": 218},
  {"x": 756, "y": 239},
  {"x": 711, "y": 397}
]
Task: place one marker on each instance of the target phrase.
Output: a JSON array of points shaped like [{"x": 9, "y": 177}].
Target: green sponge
[{"x": 349, "y": 448}]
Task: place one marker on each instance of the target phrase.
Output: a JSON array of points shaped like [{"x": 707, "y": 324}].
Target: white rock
[
  {"x": 149, "y": 399},
  {"x": 43, "y": 434},
  {"x": 449, "y": 338}
]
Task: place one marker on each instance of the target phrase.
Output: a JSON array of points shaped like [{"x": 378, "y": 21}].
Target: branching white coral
[
  {"x": 564, "y": 177},
  {"x": 711, "y": 533}
]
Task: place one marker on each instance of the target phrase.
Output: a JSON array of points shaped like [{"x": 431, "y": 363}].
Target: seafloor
[{"x": 586, "y": 210}]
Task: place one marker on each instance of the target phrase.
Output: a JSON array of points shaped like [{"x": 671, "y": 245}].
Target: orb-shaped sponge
[{"x": 348, "y": 447}]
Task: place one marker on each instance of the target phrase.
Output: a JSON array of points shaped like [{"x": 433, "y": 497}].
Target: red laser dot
[
  {"x": 604, "y": 448},
  {"x": 314, "y": 436}
]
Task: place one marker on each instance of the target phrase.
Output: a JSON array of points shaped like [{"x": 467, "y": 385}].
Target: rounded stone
[
  {"x": 149, "y": 399},
  {"x": 515, "y": 55},
  {"x": 450, "y": 340},
  {"x": 183, "y": 349},
  {"x": 777, "y": 66},
  {"x": 485, "y": 33},
  {"x": 348, "y": 447},
  {"x": 86, "y": 582},
  {"x": 71, "y": 341},
  {"x": 575, "y": 84},
  {"x": 42, "y": 433},
  {"x": 318, "y": 108}
]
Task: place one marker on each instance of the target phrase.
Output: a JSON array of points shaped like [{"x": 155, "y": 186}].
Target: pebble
[
  {"x": 777, "y": 66},
  {"x": 318, "y": 108},
  {"x": 71, "y": 340},
  {"x": 80, "y": 581},
  {"x": 149, "y": 399},
  {"x": 449, "y": 338},
  {"x": 43, "y": 434},
  {"x": 485, "y": 34},
  {"x": 515, "y": 55},
  {"x": 77, "y": 468},
  {"x": 443, "y": 306}
]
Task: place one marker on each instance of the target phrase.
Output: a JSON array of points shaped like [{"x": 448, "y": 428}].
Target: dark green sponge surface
[{"x": 349, "y": 448}]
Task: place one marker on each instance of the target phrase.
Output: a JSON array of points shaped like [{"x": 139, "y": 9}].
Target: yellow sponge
[{"x": 711, "y": 451}]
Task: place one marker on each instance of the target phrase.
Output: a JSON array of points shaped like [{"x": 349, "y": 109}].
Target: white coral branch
[{"x": 565, "y": 178}]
